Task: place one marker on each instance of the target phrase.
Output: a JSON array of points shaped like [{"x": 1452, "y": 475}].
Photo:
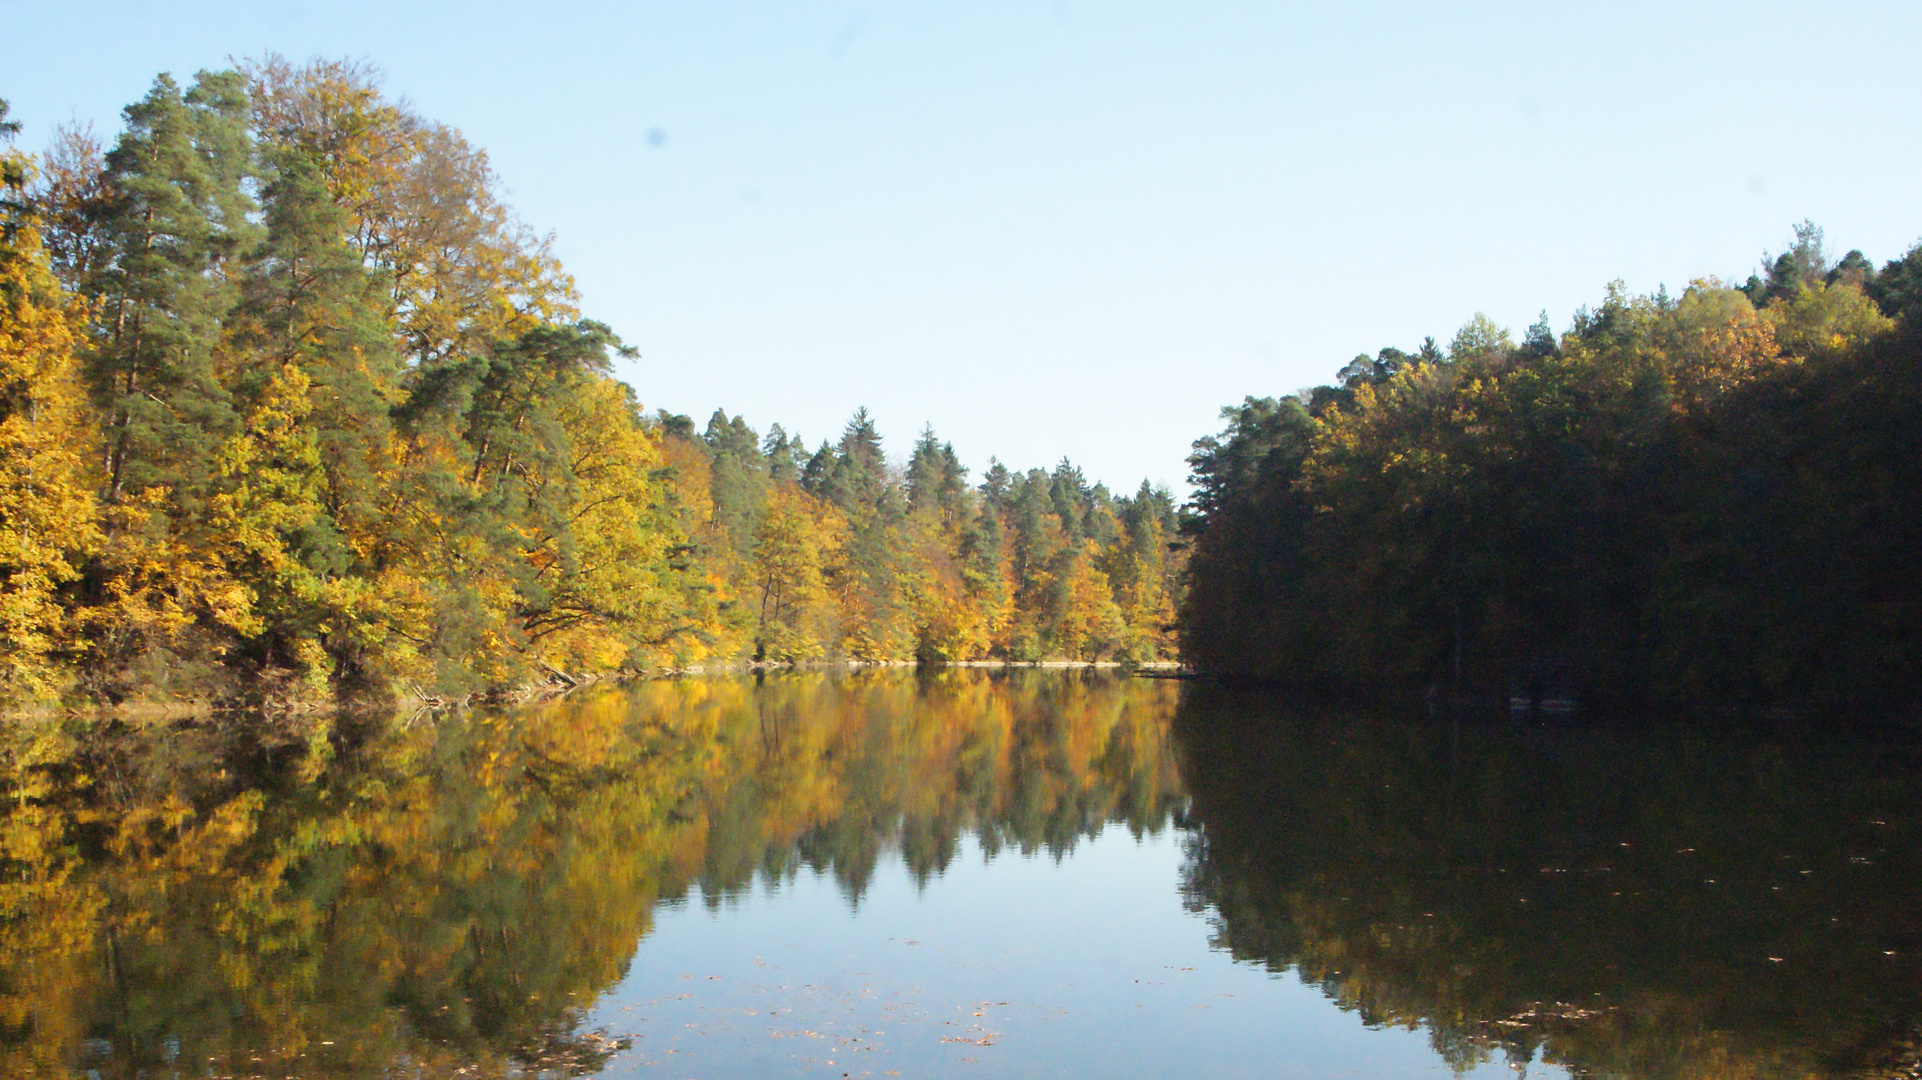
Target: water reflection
[
  {"x": 1642, "y": 901},
  {"x": 451, "y": 895}
]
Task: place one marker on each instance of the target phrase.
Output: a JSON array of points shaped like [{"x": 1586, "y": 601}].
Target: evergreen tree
[
  {"x": 924, "y": 476},
  {"x": 785, "y": 455},
  {"x": 311, "y": 316},
  {"x": 1898, "y": 289},
  {"x": 1068, "y": 491},
  {"x": 817, "y": 471},
  {"x": 1540, "y": 341},
  {"x": 739, "y": 477},
  {"x": 178, "y": 220}
]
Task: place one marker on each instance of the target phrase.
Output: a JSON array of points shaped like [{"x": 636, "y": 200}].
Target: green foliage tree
[
  {"x": 1674, "y": 501},
  {"x": 178, "y": 222}
]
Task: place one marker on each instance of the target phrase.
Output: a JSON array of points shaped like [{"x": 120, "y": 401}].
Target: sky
[{"x": 1059, "y": 228}]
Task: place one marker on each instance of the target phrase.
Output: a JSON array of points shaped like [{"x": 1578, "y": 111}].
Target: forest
[
  {"x": 294, "y": 408},
  {"x": 1704, "y": 499}
]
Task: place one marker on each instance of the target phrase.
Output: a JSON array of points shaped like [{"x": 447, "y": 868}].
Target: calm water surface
[{"x": 963, "y": 874}]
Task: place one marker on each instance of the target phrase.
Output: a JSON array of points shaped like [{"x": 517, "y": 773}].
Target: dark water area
[
  {"x": 1638, "y": 900},
  {"x": 1024, "y": 873}
]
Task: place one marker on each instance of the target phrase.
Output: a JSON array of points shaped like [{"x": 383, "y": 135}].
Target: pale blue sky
[{"x": 1067, "y": 228}]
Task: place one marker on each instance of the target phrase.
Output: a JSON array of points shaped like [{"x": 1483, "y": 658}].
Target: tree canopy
[
  {"x": 1684, "y": 499},
  {"x": 292, "y": 405}
]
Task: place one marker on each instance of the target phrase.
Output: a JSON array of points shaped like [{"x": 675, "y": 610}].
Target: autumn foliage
[
  {"x": 1693, "y": 499},
  {"x": 293, "y": 406},
  {"x": 454, "y": 892}
]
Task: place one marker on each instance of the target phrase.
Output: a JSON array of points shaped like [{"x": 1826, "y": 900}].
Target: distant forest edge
[
  {"x": 293, "y": 407},
  {"x": 1708, "y": 499}
]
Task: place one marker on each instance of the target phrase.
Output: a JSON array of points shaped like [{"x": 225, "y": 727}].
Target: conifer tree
[
  {"x": 311, "y": 317},
  {"x": 739, "y": 478},
  {"x": 178, "y": 220},
  {"x": 924, "y": 473}
]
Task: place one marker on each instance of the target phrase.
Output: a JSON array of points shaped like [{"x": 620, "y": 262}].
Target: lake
[{"x": 1021, "y": 873}]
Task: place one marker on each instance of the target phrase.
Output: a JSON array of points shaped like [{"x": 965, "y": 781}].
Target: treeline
[
  {"x": 1704, "y": 498},
  {"x": 291, "y": 404},
  {"x": 834, "y": 553}
]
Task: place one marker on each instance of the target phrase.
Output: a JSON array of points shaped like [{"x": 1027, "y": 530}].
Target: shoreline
[{"x": 559, "y": 684}]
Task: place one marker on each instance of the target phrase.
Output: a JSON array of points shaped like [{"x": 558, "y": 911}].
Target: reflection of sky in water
[
  {"x": 447, "y": 898},
  {"x": 1086, "y": 967}
]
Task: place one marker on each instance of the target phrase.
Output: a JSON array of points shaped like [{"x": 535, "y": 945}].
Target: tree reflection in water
[
  {"x": 442, "y": 896},
  {"x": 1646, "y": 901},
  {"x": 451, "y": 894}
]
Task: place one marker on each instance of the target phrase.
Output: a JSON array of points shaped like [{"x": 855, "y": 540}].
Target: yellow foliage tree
[
  {"x": 797, "y": 549},
  {"x": 1088, "y": 625},
  {"x": 1714, "y": 341},
  {"x": 48, "y": 516},
  {"x": 1822, "y": 321},
  {"x": 612, "y": 602}
]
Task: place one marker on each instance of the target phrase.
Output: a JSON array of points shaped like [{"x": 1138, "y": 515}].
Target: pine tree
[
  {"x": 311, "y": 318},
  {"x": 174, "y": 226},
  {"x": 177, "y": 221},
  {"x": 739, "y": 475},
  {"x": 785, "y": 455},
  {"x": 924, "y": 472}
]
